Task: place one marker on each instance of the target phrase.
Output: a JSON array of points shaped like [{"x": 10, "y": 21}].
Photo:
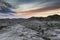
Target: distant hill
[
  {"x": 14, "y": 21},
  {"x": 55, "y": 17}
]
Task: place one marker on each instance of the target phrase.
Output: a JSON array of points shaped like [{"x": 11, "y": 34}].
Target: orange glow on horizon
[{"x": 37, "y": 13}]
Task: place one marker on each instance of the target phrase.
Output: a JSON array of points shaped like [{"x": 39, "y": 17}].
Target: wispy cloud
[{"x": 26, "y": 5}]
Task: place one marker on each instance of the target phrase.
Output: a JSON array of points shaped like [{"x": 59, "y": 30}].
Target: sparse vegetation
[
  {"x": 46, "y": 38},
  {"x": 1, "y": 27}
]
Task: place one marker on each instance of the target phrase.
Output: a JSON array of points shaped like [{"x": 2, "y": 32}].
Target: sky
[{"x": 28, "y": 8}]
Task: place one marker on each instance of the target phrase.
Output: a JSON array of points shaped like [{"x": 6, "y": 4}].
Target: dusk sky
[{"x": 28, "y": 8}]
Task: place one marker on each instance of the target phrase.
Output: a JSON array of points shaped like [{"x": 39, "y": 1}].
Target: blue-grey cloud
[
  {"x": 21, "y": 2},
  {"x": 4, "y": 7},
  {"x": 21, "y": 5},
  {"x": 34, "y": 4},
  {"x": 5, "y": 10}
]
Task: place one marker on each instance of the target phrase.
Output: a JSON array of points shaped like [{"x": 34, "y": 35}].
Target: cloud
[
  {"x": 26, "y": 5},
  {"x": 34, "y": 6},
  {"x": 5, "y": 7},
  {"x": 38, "y": 13},
  {"x": 12, "y": 6},
  {"x": 11, "y": 15}
]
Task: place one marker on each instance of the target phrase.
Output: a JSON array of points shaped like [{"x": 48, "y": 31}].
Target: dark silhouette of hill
[
  {"x": 55, "y": 17},
  {"x": 14, "y": 21}
]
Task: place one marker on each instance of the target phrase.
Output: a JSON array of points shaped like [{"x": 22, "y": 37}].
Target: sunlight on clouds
[
  {"x": 26, "y": 7},
  {"x": 46, "y": 13},
  {"x": 31, "y": 6},
  {"x": 38, "y": 14}
]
